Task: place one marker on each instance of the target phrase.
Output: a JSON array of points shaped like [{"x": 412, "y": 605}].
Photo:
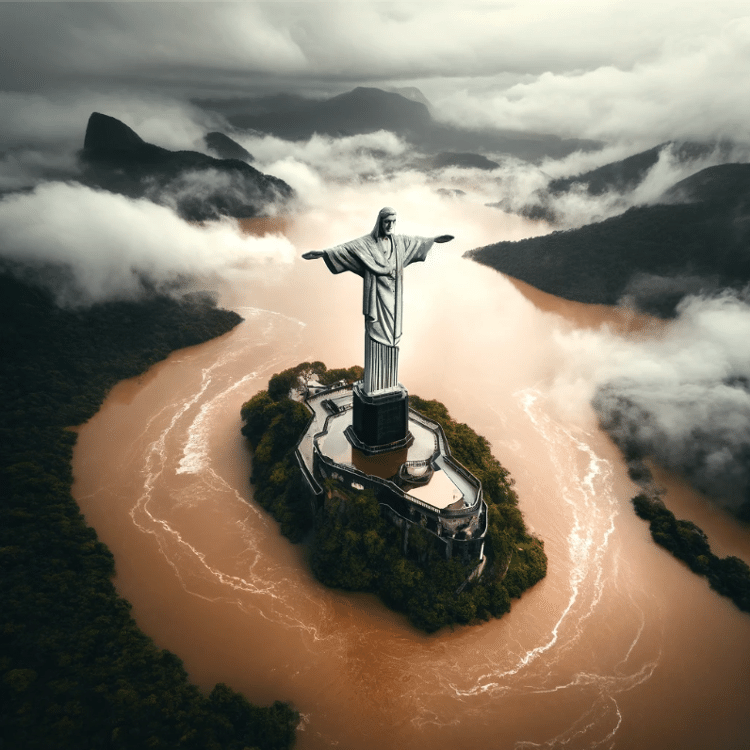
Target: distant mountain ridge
[
  {"x": 369, "y": 109},
  {"x": 626, "y": 174},
  {"x": 199, "y": 187},
  {"x": 362, "y": 110},
  {"x": 226, "y": 148},
  {"x": 696, "y": 240},
  {"x": 618, "y": 177}
]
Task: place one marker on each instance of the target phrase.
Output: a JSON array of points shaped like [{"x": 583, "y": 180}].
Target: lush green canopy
[
  {"x": 75, "y": 670},
  {"x": 353, "y": 547}
]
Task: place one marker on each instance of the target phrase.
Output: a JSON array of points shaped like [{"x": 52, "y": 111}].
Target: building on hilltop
[{"x": 415, "y": 484}]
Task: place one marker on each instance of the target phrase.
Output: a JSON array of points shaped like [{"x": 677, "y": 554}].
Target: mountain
[
  {"x": 368, "y": 109},
  {"x": 197, "y": 186},
  {"x": 725, "y": 185},
  {"x": 410, "y": 92},
  {"x": 464, "y": 160},
  {"x": 363, "y": 110},
  {"x": 253, "y": 105},
  {"x": 696, "y": 240},
  {"x": 225, "y": 148},
  {"x": 620, "y": 177},
  {"x": 626, "y": 174}
]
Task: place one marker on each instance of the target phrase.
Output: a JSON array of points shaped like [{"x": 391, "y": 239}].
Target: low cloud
[
  {"x": 692, "y": 88},
  {"x": 209, "y": 194},
  {"x": 106, "y": 243},
  {"x": 523, "y": 188},
  {"x": 384, "y": 161},
  {"x": 681, "y": 395},
  {"x": 22, "y": 168},
  {"x": 357, "y": 157},
  {"x": 40, "y": 134}
]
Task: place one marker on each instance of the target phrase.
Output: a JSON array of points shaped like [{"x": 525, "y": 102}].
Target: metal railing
[{"x": 368, "y": 481}]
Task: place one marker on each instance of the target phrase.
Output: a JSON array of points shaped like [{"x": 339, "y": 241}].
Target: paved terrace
[{"x": 447, "y": 488}]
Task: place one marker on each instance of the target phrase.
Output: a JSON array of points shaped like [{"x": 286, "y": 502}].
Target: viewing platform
[{"x": 420, "y": 483}]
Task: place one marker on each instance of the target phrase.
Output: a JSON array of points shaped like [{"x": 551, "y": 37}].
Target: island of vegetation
[
  {"x": 730, "y": 576},
  {"x": 75, "y": 670},
  {"x": 353, "y": 547}
]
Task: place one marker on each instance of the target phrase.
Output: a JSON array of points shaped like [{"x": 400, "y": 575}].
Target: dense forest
[
  {"x": 694, "y": 241},
  {"x": 351, "y": 545},
  {"x": 76, "y": 672},
  {"x": 730, "y": 576}
]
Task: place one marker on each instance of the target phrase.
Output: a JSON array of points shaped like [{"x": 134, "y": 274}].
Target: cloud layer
[
  {"x": 680, "y": 394},
  {"x": 689, "y": 89},
  {"x": 611, "y": 70},
  {"x": 108, "y": 242}
]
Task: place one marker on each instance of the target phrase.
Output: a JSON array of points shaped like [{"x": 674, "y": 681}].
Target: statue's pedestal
[{"x": 380, "y": 422}]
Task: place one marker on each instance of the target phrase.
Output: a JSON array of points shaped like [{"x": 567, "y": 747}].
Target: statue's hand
[
  {"x": 313, "y": 254},
  {"x": 443, "y": 238}
]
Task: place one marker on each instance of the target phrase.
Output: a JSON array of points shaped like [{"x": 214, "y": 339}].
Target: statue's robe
[{"x": 380, "y": 263}]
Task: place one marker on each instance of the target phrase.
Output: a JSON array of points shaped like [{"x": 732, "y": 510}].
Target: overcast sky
[{"x": 612, "y": 69}]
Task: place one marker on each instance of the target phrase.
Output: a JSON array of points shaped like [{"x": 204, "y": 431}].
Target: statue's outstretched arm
[
  {"x": 442, "y": 238},
  {"x": 313, "y": 254}
]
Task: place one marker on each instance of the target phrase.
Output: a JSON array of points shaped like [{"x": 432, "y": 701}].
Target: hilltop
[
  {"x": 369, "y": 109},
  {"x": 694, "y": 240},
  {"x": 628, "y": 173},
  {"x": 197, "y": 186},
  {"x": 617, "y": 179}
]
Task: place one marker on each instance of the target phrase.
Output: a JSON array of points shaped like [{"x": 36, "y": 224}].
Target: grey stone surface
[{"x": 380, "y": 258}]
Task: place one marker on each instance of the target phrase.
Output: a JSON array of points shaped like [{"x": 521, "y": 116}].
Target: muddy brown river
[{"x": 619, "y": 647}]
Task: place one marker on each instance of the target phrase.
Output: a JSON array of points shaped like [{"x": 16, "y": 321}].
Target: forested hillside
[
  {"x": 114, "y": 157},
  {"x": 75, "y": 670},
  {"x": 696, "y": 240},
  {"x": 353, "y": 547}
]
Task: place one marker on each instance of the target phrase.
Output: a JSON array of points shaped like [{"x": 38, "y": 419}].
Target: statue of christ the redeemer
[{"x": 380, "y": 258}]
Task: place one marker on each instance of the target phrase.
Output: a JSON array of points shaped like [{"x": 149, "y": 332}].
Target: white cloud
[
  {"x": 106, "y": 240},
  {"x": 336, "y": 158},
  {"x": 610, "y": 69},
  {"x": 694, "y": 88},
  {"x": 680, "y": 394}
]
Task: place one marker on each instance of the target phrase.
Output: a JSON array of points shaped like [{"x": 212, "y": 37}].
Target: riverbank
[{"x": 77, "y": 672}]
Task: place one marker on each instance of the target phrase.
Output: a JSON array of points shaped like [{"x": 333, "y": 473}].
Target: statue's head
[{"x": 386, "y": 223}]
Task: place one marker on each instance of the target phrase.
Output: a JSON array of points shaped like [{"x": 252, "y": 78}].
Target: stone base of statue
[{"x": 380, "y": 422}]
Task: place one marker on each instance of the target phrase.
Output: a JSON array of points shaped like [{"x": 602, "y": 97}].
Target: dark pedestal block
[{"x": 380, "y": 423}]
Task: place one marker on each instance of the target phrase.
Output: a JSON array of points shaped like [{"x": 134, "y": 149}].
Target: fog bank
[
  {"x": 109, "y": 242},
  {"x": 679, "y": 395}
]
